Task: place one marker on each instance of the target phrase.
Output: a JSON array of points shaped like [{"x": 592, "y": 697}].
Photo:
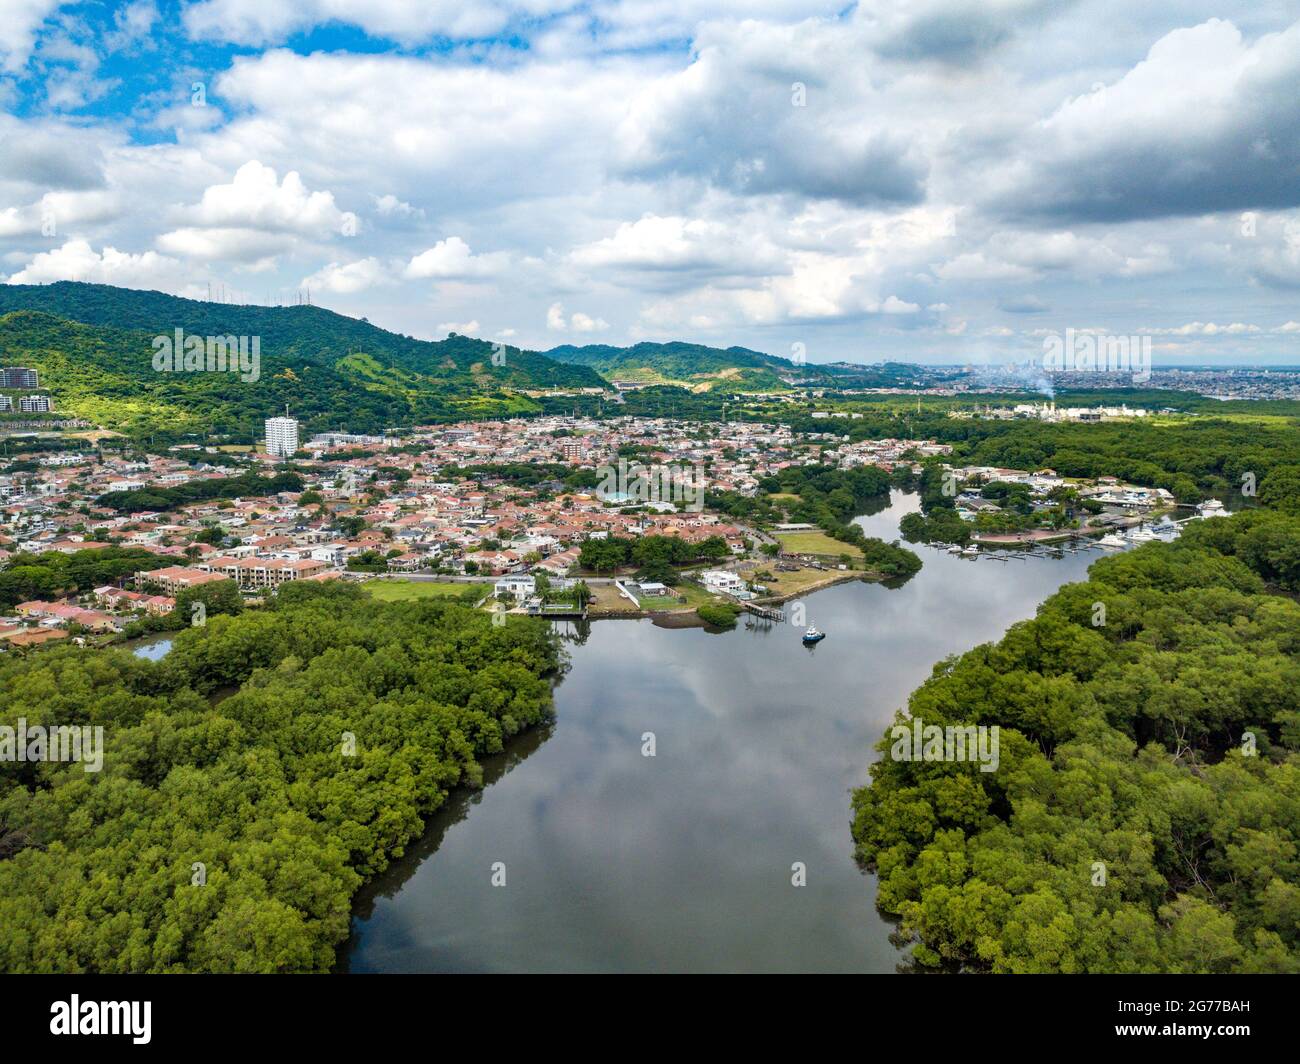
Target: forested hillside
[
  {"x": 229, "y": 835},
  {"x": 1145, "y": 813},
  {"x": 692, "y": 365},
  {"x": 94, "y": 347},
  {"x": 699, "y": 369}
]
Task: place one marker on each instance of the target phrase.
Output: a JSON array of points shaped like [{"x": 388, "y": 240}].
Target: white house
[
  {"x": 518, "y": 585},
  {"x": 722, "y": 580}
]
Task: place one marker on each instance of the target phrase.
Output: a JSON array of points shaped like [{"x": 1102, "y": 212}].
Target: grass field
[
  {"x": 693, "y": 593},
  {"x": 782, "y": 585},
  {"x": 816, "y": 543},
  {"x": 406, "y": 590}
]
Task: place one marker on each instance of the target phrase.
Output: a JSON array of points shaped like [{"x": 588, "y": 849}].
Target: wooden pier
[
  {"x": 768, "y": 613},
  {"x": 557, "y": 610}
]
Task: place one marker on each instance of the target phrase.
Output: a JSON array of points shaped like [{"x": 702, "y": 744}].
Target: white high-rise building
[{"x": 281, "y": 436}]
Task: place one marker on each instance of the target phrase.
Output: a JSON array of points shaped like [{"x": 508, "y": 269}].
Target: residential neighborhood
[{"x": 446, "y": 500}]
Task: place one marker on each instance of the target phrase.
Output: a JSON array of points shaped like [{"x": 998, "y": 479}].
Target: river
[{"x": 615, "y": 861}]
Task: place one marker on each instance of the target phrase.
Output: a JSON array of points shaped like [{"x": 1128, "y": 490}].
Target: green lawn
[
  {"x": 693, "y": 593},
  {"x": 405, "y": 590},
  {"x": 816, "y": 543}
]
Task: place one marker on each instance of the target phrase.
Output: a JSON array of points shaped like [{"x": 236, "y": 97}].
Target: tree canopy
[
  {"x": 1145, "y": 812},
  {"x": 251, "y": 780}
]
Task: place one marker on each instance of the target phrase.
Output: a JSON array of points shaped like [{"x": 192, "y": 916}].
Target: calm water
[
  {"x": 682, "y": 861},
  {"x": 154, "y": 647}
]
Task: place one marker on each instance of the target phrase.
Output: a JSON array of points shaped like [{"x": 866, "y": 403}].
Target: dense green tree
[
  {"x": 229, "y": 835},
  {"x": 1144, "y": 815}
]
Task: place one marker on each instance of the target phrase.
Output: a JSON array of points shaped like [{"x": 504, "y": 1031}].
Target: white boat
[
  {"x": 970, "y": 551},
  {"x": 1142, "y": 535},
  {"x": 1111, "y": 540},
  {"x": 954, "y": 549}
]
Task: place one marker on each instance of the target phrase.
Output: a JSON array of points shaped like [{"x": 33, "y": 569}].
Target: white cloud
[
  {"x": 1206, "y": 122},
  {"x": 467, "y": 328},
  {"x": 76, "y": 260},
  {"x": 56, "y": 213},
  {"x": 390, "y": 205},
  {"x": 1204, "y": 328},
  {"x": 948, "y": 154},
  {"x": 580, "y": 322},
  {"x": 260, "y": 22},
  {"x": 451, "y": 258},
  {"x": 255, "y": 199},
  {"x": 249, "y": 246},
  {"x": 657, "y": 243},
  {"x": 131, "y": 25},
  {"x": 577, "y": 321},
  {"x": 346, "y": 278},
  {"x": 19, "y": 22}
]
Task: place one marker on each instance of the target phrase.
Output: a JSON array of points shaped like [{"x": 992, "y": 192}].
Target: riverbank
[
  {"x": 756, "y": 740},
  {"x": 817, "y": 582}
]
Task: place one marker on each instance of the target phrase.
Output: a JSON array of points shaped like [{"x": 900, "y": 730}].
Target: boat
[
  {"x": 813, "y": 636},
  {"x": 971, "y": 551},
  {"x": 1111, "y": 540},
  {"x": 1142, "y": 535},
  {"x": 954, "y": 549}
]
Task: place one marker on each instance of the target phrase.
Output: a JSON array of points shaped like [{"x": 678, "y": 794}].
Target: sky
[{"x": 938, "y": 181}]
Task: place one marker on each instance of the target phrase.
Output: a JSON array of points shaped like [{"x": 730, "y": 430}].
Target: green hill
[
  {"x": 94, "y": 346},
  {"x": 700, "y": 368},
  {"x": 693, "y": 366}
]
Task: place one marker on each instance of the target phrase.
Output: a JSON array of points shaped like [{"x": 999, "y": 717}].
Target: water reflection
[{"x": 683, "y": 861}]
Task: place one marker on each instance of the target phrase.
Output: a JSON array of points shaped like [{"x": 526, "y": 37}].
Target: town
[{"x": 521, "y": 514}]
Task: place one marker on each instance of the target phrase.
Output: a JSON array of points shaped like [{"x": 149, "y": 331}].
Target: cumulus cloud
[
  {"x": 451, "y": 258},
  {"x": 346, "y": 278},
  {"x": 50, "y": 156},
  {"x": 59, "y": 212},
  {"x": 577, "y": 321},
  {"x": 885, "y": 178},
  {"x": 753, "y": 115},
  {"x": 691, "y": 248},
  {"x": 1206, "y": 122},
  {"x": 255, "y": 217},
  {"x": 256, "y": 199},
  {"x": 76, "y": 260}
]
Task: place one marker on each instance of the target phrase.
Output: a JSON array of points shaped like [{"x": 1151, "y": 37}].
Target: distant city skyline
[{"x": 937, "y": 182}]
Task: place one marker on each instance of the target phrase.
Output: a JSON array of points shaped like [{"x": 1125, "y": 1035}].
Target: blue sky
[{"x": 937, "y": 180}]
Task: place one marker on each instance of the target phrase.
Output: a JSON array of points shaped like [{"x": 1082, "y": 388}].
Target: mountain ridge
[{"x": 94, "y": 345}]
